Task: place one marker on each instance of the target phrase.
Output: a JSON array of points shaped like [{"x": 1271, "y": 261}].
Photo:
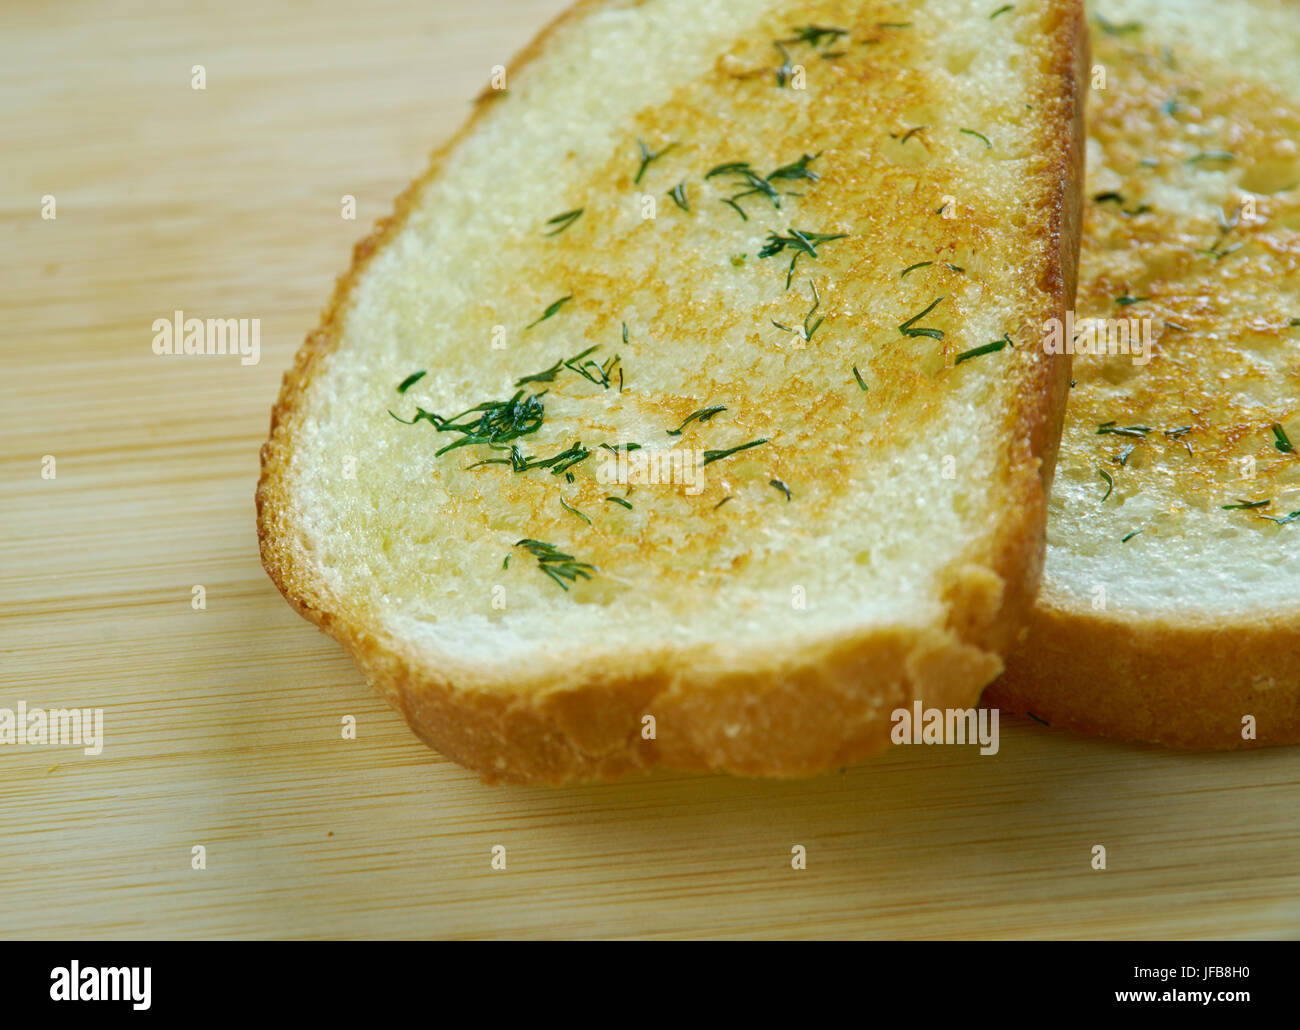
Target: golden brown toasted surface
[
  {"x": 1168, "y": 606},
  {"x": 772, "y": 617},
  {"x": 1194, "y": 223}
]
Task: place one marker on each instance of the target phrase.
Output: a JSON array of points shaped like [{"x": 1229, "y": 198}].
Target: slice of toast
[
  {"x": 689, "y": 411},
  {"x": 1169, "y": 610}
]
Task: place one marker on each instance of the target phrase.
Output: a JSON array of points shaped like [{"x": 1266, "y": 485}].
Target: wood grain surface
[{"x": 222, "y": 726}]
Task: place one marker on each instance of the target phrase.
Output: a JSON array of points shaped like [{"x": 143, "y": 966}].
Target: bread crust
[
  {"x": 1180, "y": 682},
  {"x": 776, "y": 713}
]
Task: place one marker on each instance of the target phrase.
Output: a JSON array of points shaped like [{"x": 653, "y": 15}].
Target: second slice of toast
[
  {"x": 1168, "y": 610},
  {"x": 691, "y": 411}
]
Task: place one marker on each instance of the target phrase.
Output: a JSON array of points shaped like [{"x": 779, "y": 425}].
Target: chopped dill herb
[
  {"x": 568, "y": 507},
  {"x": 781, "y": 486},
  {"x": 906, "y": 328},
  {"x": 1036, "y": 719},
  {"x": 1123, "y": 456},
  {"x": 978, "y": 135},
  {"x": 410, "y": 381},
  {"x": 1285, "y": 520},
  {"x": 559, "y": 566},
  {"x": 558, "y": 463},
  {"x": 551, "y": 309},
  {"x": 562, "y": 222},
  {"x": 1001, "y": 10},
  {"x": 1246, "y": 505},
  {"x": 913, "y": 268},
  {"x": 711, "y": 455},
  {"x": 739, "y": 210},
  {"x": 800, "y": 241},
  {"x": 1210, "y": 155},
  {"x": 1113, "y": 429},
  {"x": 703, "y": 415},
  {"x": 813, "y": 35},
  {"x": 620, "y": 501},
  {"x": 1110, "y": 483},
  {"x": 629, "y": 447},
  {"x": 988, "y": 348},
  {"x": 647, "y": 157},
  {"x": 762, "y": 184},
  {"x": 722, "y": 502},
  {"x": 1126, "y": 300},
  {"x": 858, "y": 376},
  {"x": 1127, "y": 537},
  {"x": 548, "y": 375},
  {"x": 807, "y": 332},
  {"x": 1280, "y": 440},
  {"x": 678, "y": 193},
  {"x": 498, "y": 422}
]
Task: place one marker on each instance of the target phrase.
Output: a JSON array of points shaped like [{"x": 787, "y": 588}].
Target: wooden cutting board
[{"x": 222, "y": 725}]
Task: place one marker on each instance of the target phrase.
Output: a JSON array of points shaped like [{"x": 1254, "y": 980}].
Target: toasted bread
[
  {"x": 688, "y": 412},
  {"x": 1169, "y": 608}
]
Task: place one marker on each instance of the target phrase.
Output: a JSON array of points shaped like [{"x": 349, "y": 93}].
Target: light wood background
[{"x": 222, "y": 726}]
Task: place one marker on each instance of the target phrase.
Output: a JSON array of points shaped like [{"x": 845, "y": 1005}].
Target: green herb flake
[
  {"x": 647, "y": 157},
  {"x": 1001, "y": 10},
  {"x": 703, "y": 415},
  {"x": 717, "y": 455},
  {"x": 568, "y": 507},
  {"x": 1112, "y": 429},
  {"x": 906, "y": 328},
  {"x": 562, "y": 568},
  {"x": 550, "y": 310},
  {"x": 562, "y": 222},
  {"x": 988, "y": 348},
  {"x": 410, "y": 381},
  {"x": 620, "y": 501},
  {"x": 781, "y": 486},
  {"x": 913, "y": 268},
  {"x": 498, "y": 422},
  {"x": 678, "y": 193},
  {"x": 1110, "y": 484},
  {"x": 858, "y": 376},
  {"x": 978, "y": 135},
  {"x": 1246, "y": 505},
  {"x": 1280, "y": 440},
  {"x": 814, "y": 35},
  {"x": 1129, "y": 536}
]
